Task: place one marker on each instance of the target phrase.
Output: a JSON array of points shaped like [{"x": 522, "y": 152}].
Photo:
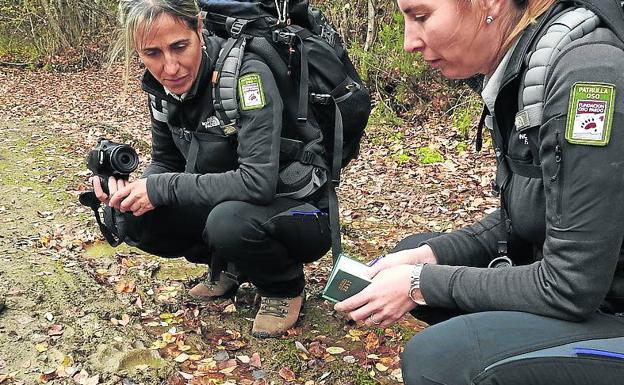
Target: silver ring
[{"x": 370, "y": 317}]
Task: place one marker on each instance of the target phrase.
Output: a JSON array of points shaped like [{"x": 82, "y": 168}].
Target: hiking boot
[
  {"x": 276, "y": 316},
  {"x": 208, "y": 290}
]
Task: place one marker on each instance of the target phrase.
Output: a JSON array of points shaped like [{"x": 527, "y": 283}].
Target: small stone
[
  {"x": 244, "y": 359},
  {"x": 221, "y": 355},
  {"x": 258, "y": 374},
  {"x": 349, "y": 359}
]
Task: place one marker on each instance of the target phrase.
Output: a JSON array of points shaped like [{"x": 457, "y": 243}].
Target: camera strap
[{"x": 113, "y": 227}]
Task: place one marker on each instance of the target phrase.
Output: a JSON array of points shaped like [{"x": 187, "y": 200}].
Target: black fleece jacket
[{"x": 242, "y": 167}]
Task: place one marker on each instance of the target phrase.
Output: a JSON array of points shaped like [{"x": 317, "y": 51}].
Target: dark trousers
[
  {"x": 512, "y": 348},
  {"x": 267, "y": 244}
]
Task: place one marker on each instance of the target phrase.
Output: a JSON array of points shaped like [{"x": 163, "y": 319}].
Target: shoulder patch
[
  {"x": 250, "y": 92},
  {"x": 590, "y": 113}
]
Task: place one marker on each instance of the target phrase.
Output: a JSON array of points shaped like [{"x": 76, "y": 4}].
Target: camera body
[{"x": 112, "y": 159}]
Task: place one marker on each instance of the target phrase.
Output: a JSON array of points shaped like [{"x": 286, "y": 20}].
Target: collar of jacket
[{"x": 150, "y": 85}]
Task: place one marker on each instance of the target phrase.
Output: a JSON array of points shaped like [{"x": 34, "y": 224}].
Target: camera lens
[{"x": 124, "y": 159}]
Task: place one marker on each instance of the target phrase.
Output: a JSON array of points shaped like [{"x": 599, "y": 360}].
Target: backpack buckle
[
  {"x": 320, "y": 98},
  {"x": 307, "y": 157},
  {"x": 329, "y": 35},
  {"x": 183, "y": 133},
  {"x": 281, "y": 36},
  {"x": 237, "y": 27}
]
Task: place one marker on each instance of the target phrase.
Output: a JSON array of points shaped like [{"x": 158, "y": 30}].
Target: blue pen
[
  {"x": 374, "y": 261},
  {"x": 314, "y": 213}
]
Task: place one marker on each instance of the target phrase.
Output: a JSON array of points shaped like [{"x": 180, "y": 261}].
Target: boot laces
[
  {"x": 223, "y": 281},
  {"x": 277, "y": 307}
]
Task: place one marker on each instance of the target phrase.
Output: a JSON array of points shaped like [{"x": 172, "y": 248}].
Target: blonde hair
[
  {"x": 523, "y": 13},
  {"x": 530, "y": 11},
  {"x": 141, "y": 14}
]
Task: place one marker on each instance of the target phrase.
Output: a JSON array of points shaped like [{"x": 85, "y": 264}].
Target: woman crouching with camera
[{"x": 211, "y": 195}]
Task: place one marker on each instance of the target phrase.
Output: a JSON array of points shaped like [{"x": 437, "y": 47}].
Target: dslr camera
[{"x": 112, "y": 159}]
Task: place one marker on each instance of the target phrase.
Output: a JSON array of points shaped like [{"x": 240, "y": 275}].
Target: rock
[
  {"x": 221, "y": 355},
  {"x": 258, "y": 374}
]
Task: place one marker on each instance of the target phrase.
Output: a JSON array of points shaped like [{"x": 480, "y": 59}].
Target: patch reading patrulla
[
  {"x": 251, "y": 92},
  {"x": 590, "y": 114}
]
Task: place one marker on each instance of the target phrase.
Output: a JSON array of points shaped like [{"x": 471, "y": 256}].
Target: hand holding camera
[
  {"x": 111, "y": 164},
  {"x": 109, "y": 159}
]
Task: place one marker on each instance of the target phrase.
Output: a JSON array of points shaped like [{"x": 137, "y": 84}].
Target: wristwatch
[{"x": 415, "y": 283}]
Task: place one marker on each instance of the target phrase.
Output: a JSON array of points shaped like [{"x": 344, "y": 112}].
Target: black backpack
[{"x": 326, "y": 104}]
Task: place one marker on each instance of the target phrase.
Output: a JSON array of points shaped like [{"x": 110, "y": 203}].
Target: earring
[{"x": 489, "y": 19}]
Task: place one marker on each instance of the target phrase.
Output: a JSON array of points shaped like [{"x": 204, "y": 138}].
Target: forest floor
[{"x": 80, "y": 312}]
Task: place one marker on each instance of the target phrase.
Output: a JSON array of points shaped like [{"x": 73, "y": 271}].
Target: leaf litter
[{"x": 382, "y": 201}]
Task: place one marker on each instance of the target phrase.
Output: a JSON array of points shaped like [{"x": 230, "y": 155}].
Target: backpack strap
[
  {"x": 292, "y": 35},
  {"x": 225, "y": 101},
  {"x": 568, "y": 27},
  {"x": 224, "y": 84}
]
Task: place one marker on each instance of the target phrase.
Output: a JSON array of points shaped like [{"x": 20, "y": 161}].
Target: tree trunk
[{"x": 371, "y": 28}]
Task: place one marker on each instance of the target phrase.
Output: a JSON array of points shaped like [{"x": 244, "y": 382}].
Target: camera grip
[{"x": 104, "y": 185}]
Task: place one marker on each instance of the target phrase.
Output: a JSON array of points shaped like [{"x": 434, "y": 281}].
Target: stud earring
[{"x": 489, "y": 19}]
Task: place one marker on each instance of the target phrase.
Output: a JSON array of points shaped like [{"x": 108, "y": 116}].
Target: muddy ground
[{"x": 80, "y": 312}]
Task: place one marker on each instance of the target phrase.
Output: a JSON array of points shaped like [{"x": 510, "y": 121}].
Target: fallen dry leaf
[
  {"x": 48, "y": 375},
  {"x": 182, "y": 357},
  {"x": 55, "y": 330},
  {"x": 125, "y": 286},
  {"x": 255, "y": 361},
  {"x": 335, "y": 350},
  {"x": 287, "y": 374},
  {"x": 243, "y": 359},
  {"x": 372, "y": 341}
]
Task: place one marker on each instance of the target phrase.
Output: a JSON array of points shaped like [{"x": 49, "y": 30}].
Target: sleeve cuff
[
  {"x": 436, "y": 283},
  {"x": 155, "y": 192},
  {"x": 438, "y": 246}
]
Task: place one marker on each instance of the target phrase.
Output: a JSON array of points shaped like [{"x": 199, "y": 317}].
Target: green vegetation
[
  {"x": 384, "y": 116},
  {"x": 387, "y": 57},
  {"x": 428, "y": 155},
  {"x": 465, "y": 115},
  {"x": 32, "y": 31}
]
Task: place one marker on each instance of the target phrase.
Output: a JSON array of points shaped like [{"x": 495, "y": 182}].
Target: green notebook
[{"x": 346, "y": 279}]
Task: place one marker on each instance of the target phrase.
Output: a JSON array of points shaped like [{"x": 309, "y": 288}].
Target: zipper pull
[{"x": 558, "y": 153}]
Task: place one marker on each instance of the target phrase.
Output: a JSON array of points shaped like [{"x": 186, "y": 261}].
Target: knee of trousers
[
  {"x": 229, "y": 227},
  {"x": 445, "y": 353}
]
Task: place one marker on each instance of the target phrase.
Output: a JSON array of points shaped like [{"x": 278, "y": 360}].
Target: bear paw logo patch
[{"x": 590, "y": 112}]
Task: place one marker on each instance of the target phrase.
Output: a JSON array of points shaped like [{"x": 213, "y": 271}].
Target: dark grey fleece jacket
[
  {"x": 567, "y": 227},
  {"x": 243, "y": 167}
]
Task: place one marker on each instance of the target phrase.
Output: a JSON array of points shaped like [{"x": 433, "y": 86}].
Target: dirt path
[{"x": 57, "y": 317}]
